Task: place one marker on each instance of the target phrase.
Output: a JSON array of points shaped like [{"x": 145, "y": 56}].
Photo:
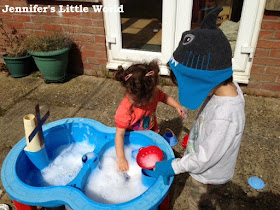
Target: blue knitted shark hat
[{"x": 201, "y": 61}]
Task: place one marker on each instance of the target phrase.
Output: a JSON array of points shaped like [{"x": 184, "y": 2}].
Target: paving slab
[
  {"x": 102, "y": 105},
  {"x": 11, "y": 123},
  {"x": 75, "y": 92},
  {"x": 105, "y": 117},
  {"x": 108, "y": 97},
  {"x": 12, "y": 89},
  {"x": 259, "y": 153}
]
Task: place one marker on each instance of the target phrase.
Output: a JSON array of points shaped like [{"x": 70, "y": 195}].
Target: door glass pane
[
  {"x": 228, "y": 20},
  {"x": 141, "y": 24}
]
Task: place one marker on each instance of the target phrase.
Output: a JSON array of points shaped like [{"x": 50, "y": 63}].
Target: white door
[
  {"x": 246, "y": 42},
  {"x": 152, "y": 29},
  {"x": 143, "y": 32}
]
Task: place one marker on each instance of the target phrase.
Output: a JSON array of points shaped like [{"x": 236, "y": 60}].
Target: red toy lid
[
  {"x": 148, "y": 156},
  {"x": 185, "y": 141}
]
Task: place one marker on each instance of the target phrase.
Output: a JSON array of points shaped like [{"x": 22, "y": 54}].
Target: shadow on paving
[
  {"x": 233, "y": 198},
  {"x": 236, "y": 198},
  {"x": 175, "y": 124}
]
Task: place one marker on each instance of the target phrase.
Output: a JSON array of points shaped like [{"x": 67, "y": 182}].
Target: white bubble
[
  {"x": 67, "y": 164},
  {"x": 108, "y": 185},
  {"x": 149, "y": 161}
]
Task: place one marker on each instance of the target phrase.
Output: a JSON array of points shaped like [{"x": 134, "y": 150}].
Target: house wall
[
  {"x": 265, "y": 72},
  {"x": 87, "y": 29},
  {"x": 89, "y": 56}
]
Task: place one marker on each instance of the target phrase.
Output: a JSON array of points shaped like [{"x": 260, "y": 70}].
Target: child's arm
[
  {"x": 172, "y": 102},
  {"x": 119, "y": 145}
]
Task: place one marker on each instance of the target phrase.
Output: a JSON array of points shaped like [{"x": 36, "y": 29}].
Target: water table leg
[
  {"x": 165, "y": 203},
  {"x": 21, "y": 206}
]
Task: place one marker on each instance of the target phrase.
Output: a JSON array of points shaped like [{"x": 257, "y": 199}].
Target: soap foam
[
  {"x": 65, "y": 167},
  {"x": 107, "y": 185},
  {"x": 149, "y": 161}
]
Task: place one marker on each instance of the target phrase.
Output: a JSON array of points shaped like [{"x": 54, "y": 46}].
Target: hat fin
[{"x": 210, "y": 20}]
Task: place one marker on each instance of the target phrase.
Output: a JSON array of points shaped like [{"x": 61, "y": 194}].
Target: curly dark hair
[{"x": 138, "y": 84}]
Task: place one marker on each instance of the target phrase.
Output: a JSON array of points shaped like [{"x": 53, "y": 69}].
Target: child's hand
[
  {"x": 123, "y": 164},
  {"x": 183, "y": 112}
]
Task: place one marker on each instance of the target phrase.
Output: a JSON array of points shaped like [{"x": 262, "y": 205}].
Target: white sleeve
[{"x": 218, "y": 138}]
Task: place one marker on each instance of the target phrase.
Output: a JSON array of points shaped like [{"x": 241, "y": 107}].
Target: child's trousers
[{"x": 205, "y": 196}]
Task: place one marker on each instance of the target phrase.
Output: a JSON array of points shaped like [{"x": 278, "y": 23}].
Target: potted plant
[
  {"x": 50, "y": 53},
  {"x": 17, "y": 59}
]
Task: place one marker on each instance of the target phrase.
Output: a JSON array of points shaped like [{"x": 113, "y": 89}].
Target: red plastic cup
[
  {"x": 148, "y": 156},
  {"x": 185, "y": 141}
]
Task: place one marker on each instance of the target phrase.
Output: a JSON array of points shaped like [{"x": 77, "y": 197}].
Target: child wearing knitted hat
[
  {"x": 137, "y": 111},
  {"x": 201, "y": 67}
]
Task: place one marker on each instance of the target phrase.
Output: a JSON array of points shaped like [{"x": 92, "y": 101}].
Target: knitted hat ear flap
[{"x": 210, "y": 20}]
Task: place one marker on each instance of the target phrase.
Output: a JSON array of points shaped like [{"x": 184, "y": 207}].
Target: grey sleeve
[{"x": 218, "y": 138}]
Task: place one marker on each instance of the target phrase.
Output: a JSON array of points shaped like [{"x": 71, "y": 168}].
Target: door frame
[
  {"x": 125, "y": 57},
  {"x": 250, "y": 24},
  {"x": 247, "y": 38}
]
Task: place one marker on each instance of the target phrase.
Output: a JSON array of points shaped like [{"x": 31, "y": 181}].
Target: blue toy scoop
[
  {"x": 152, "y": 173},
  {"x": 90, "y": 161}
]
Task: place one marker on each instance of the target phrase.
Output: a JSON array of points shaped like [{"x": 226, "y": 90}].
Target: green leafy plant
[
  {"x": 107, "y": 74},
  {"x": 48, "y": 43},
  {"x": 14, "y": 43}
]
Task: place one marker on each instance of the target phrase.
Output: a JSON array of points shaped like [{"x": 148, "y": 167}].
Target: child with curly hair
[{"x": 137, "y": 111}]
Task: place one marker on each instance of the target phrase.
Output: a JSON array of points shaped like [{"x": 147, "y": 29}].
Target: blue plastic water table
[{"x": 24, "y": 183}]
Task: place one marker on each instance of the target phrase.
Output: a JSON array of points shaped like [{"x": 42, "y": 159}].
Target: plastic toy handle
[
  {"x": 165, "y": 180},
  {"x": 150, "y": 173},
  {"x": 168, "y": 129},
  {"x": 90, "y": 161}
]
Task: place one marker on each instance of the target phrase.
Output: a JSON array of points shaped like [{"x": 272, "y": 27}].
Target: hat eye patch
[{"x": 188, "y": 38}]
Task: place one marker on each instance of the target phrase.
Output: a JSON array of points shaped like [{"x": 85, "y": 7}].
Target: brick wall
[
  {"x": 265, "y": 72},
  {"x": 87, "y": 29}
]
